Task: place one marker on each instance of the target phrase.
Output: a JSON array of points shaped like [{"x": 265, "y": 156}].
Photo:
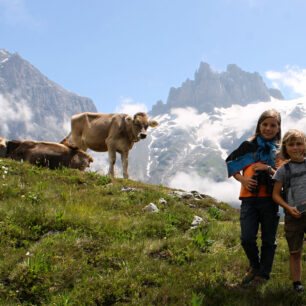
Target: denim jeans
[{"x": 263, "y": 211}]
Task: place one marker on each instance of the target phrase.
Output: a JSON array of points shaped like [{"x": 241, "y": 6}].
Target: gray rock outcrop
[{"x": 211, "y": 89}]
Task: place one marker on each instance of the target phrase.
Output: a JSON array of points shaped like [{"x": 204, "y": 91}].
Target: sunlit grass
[{"x": 74, "y": 238}]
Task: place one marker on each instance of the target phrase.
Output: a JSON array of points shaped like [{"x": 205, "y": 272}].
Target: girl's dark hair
[
  {"x": 292, "y": 135},
  {"x": 272, "y": 113}
]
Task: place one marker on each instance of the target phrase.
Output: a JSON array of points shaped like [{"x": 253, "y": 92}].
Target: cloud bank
[
  {"x": 293, "y": 78},
  {"x": 128, "y": 106},
  {"x": 227, "y": 191},
  {"x": 14, "y": 111}
]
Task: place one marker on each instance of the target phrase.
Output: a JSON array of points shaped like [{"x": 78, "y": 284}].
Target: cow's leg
[
  {"x": 125, "y": 163},
  {"x": 112, "y": 161}
]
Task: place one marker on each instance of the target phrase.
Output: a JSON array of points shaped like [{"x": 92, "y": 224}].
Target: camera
[{"x": 263, "y": 177}]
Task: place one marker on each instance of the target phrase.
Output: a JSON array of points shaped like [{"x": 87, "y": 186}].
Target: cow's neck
[{"x": 131, "y": 135}]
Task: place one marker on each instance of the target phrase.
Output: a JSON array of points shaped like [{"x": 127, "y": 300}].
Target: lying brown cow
[
  {"x": 48, "y": 154},
  {"x": 109, "y": 132}
]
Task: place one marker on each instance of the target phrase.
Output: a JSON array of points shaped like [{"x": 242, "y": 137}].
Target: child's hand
[
  {"x": 294, "y": 212},
  {"x": 249, "y": 183}
]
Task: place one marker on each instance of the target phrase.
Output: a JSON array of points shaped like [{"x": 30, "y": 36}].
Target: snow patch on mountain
[{"x": 187, "y": 149}]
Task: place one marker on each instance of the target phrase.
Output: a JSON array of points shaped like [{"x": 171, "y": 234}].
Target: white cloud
[
  {"x": 101, "y": 163},
  {"x": 227, "y": 191},
  {"x": 128, "y": 106},
  {"x": 188, "y": 117},
  {"x": 14, "y": 110},
  {"x": 294, "y": 78},
  {"x": 66, "y": 125},
  {"x": 236, "y": 120}
]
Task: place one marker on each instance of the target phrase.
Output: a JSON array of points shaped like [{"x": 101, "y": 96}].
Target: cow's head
[
  {"x": 3, "y": 146},
  {"x": 140, "y": 124},
  {"x": 81, "y": 160}
]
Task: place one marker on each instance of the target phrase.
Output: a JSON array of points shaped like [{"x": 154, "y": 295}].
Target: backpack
[{"x": 288, "y": 176}]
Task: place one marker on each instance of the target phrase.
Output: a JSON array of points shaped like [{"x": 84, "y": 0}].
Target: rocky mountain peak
[
  {"x": 204, "y": 72},
  {"x": 36, "y": 107},
  {"x": 233, "y": 68},
  {"x": 211, "y": 89}
]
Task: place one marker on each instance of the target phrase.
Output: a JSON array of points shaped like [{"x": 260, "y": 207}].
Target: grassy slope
[{"x": 70, "y": 238}]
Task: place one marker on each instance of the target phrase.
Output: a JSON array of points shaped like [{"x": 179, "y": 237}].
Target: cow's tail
[{"x": 65, "y": 141}]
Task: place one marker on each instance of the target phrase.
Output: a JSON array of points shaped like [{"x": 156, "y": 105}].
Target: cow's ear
[
  {"x": 129, "y": 120},
  {"x": 153, "y": 123}
]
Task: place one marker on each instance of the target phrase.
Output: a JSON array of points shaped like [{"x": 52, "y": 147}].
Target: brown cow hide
[{"x": 49, "y": 154}]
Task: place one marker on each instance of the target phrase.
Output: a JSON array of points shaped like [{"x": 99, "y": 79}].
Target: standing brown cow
[{"x": 109, "y": 132}]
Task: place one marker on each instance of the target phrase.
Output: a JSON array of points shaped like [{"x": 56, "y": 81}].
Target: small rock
[
  {"x": 150, "y": 208},
  {"x": 196, "y": 221},
  {"x": 181, "y": 194},
  {"x": 187, "y": 195},
  {"x": 162, "y": 201},
  {"x": 198, "y": 195},
  {"x": 177, "y": 194},
  {"x": 127, "y": 189},
  {"x": 192, "y": 205}
]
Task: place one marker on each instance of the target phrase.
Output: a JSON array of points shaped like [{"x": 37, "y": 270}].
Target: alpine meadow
[{"x": 79, "y": 238}]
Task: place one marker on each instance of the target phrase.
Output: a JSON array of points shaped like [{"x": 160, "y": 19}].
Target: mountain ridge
[
  {"x": 211, "y": 89},
  {"x": 47, "y": 106}
]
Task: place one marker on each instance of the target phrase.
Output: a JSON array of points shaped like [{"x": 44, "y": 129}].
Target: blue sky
[{"x": 126, "y": 55}]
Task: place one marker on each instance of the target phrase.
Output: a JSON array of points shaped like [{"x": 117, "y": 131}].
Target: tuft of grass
[{"x": 74, "y": 238}]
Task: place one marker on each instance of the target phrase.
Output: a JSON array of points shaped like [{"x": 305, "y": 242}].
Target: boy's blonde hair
[
  {"x": 292, "y": 135},
  {"x": 272, "y": 113}
]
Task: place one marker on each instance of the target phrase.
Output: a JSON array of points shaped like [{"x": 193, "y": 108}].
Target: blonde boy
[{"x": 292, "y": 178}]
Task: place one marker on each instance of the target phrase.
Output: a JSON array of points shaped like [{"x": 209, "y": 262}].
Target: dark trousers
[{"x": 263, "y": 211}]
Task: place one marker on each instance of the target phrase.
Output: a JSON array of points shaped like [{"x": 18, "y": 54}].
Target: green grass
[{"x": 73, "y": 238}]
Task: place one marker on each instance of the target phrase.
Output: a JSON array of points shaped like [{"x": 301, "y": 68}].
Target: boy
[{"x": 292, "y": 178}]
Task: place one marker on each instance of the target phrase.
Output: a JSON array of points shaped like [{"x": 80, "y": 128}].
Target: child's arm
[
  {"x": 248, "y": 182},
  {"x": 277, "y": 197},
  {"x": 265, "y": 167}
]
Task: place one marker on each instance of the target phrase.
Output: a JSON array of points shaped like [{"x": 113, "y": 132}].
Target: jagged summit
[
  {"x": 35, "y": 106},
  {"x": 211, "y": 89}
]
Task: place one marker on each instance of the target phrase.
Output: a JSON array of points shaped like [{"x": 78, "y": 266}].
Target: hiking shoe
[
  {"x": 257, "y": 281},
  {"x": 298, "y": 288},
  {"x": 249, "y": 276}
]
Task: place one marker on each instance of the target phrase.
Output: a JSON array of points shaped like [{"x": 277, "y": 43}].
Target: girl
[
  {"x": 292, "y": 178},
  {"x": 256, "y": 158}
]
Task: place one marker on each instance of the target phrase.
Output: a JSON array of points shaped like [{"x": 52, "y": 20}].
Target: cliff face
[
  {"x": 211, "y": 89},
  {"x": 34, "y": 106}
]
